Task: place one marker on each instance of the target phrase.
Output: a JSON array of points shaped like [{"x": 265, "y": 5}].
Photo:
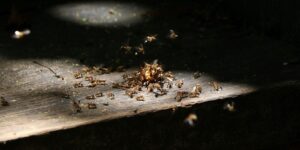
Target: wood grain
[{"x": 37, "y": 105}]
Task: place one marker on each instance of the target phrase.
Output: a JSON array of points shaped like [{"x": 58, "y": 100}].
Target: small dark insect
[
  {"x": 78, "y": 75},
  {"x": 120, "y": 69},
  {"x": 161, "y": 93},
  {"x": 127, "y": 49},
  {"x": 90, "y": 97},
  {"x": 140, "y": 98},
  {"x": 118, "y": 86},
  {"x": 152, "y": 86},
  {"x": 216, "y": 86},
  {"x": 78, "y": 85},
  {"x": 179, "y": 83},
  {"x": 76, "y": 106},
  {"x": 140, "y": 49},
  {"x": 150, "y": 38},
  {"x": 130, "y": 92},
  {"x": 112, "y": 11},
  {"x": 105, "y": 70},
  {"x": 66, "y": 96},
  {"x": 111, "y": 96},
  {"x": 197, "y": 75},
  {"x": 196, "y": 91},
  {"x": 106, "y": 104},
  {"x": 169, "y": 85},
  {"x": 172, "y": 35},
  {"x": 4, "y": 102},
  {"x": 134, "y": 90},
  {"x": 99, "y": 94},
  {"x": 91, "y": 106},
  {"x": 180, "y": 95}
]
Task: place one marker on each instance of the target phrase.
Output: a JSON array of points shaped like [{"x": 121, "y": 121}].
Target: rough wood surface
[{"x": 37, "y": 105}]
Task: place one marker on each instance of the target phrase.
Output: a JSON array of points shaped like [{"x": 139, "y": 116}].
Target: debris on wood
[
  {"x": 179, "y": 83},
  {"x": 172, "y": 34},
  {"x": 4, "y": 102},
  {"x": 180, "y": 95},
  {"x": 191, "y": 119},
  {"x": 216, "y": 86},
  {"x": 106, "y": 104},
  {"x": 140, "y": 98},
  {"x": 51, "y": 70}
]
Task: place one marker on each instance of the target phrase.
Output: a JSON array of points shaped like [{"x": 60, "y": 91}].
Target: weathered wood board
[{"x": 37, "y": 105}]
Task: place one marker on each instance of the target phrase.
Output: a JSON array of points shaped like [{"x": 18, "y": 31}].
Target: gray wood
[{"x": 37, "y": 105}]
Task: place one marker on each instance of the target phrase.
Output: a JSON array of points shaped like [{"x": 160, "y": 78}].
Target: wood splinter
[{"x": 55, "y": 74}]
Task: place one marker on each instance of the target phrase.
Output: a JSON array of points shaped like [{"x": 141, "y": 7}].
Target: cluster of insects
[
  {"x": 89, "y": 80},
  {"x": 136, "y": 50},
  {"x": 150, "y": 76},
  {"x": 157, "y": 81},
  {"x": 77, "y": 106},
  {"x": 87, "y": 73}
]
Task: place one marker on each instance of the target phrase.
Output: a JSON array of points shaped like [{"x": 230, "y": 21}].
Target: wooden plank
[{"x": 37, "y": 105}]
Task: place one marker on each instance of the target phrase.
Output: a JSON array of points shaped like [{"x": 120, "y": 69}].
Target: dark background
[{"x": 238, "y": 41}]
